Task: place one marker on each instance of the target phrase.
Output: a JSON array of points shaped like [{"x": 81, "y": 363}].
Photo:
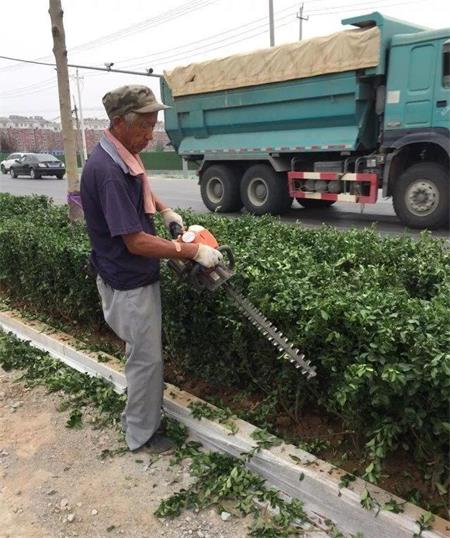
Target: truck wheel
[
  {"x": 421, "y": 196},
  {"x": 219, "y": 187},
  {"x": 265, "y": 191},
  {"x": 313, "y": 204}
]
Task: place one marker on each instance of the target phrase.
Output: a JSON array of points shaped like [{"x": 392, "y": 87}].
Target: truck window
[{"x": 446, "y": 65}]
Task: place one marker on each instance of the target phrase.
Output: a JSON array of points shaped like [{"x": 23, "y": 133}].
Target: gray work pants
[{"x": 135, "y": 316}]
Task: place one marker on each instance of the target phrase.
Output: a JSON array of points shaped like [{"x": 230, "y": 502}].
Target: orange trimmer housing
[
  {"x": 200, "y": 277},
  {"x": 205, "y": 237}
]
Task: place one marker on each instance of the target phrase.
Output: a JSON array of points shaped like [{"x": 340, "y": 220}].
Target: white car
[{"x": 6, "y": 164}]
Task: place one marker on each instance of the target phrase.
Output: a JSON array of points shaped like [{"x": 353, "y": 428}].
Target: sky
[{"x": 141, "y": 34}]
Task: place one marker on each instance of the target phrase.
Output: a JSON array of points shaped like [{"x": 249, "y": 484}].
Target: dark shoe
[{"x": 157, "y": 444}]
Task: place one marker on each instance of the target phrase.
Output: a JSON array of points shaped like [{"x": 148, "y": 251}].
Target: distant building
[
  {"x": 36, "y": 134},
  {"x": 32, "y": 122}
]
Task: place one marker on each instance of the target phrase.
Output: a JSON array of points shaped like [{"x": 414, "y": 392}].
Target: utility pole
[
  {"x": 70, "y": 152},
  {"x": 301, "y": 18},
  {"x": 271, "y": 24},
  {"x": 83, "y": 132},
  {"x": 75, "y": 111}
]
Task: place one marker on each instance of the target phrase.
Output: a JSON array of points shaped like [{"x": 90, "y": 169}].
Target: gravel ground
[{"x": 54, "y": 483}]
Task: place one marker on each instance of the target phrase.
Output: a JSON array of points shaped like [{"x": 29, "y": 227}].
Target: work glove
[
  {"x": 195, "y": 228},
  {"x": 170, "y": 216},
  {"x": 207, "y": 256}
]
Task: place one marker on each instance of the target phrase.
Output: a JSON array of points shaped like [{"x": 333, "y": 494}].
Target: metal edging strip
[{"x": 313, "y": 481}]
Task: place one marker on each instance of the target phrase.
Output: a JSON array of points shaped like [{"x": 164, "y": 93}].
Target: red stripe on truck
[{"x": 296, "y": 192}]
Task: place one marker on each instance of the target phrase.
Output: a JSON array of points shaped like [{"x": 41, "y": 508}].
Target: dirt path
[{"x": 53, "y": 482}]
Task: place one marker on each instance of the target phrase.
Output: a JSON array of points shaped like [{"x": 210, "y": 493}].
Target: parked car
[
  {"x": 37, "y": 165},
  {"x": 5, "y": 165}
]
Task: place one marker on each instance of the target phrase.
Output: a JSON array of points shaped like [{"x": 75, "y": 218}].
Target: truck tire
[
  {"x": 265, "y": 191},
  {"x": 219, "y": 188},
  {"x": 421, "y": 196},
  {"x": 309, "y": 203}
]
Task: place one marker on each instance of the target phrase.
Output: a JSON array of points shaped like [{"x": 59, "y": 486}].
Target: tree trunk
[{"x": 60, "y": 52}]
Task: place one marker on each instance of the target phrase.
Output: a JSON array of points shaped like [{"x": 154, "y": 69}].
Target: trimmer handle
[
  {"x": 175, "y": 229},
  {"x": 223, "y": 269},
  {"x": 228, "y": 256}
]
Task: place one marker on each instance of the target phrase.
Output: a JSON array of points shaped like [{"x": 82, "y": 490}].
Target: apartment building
[{"x": 37, "y": 134}]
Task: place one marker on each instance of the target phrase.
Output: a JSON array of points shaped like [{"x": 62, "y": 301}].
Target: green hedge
[
  {"x": 163, "y": 160},
  {"x": 372, "y": 313}
]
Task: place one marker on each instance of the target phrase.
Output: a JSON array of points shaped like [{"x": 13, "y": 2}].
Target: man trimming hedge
[{"x": 119, "y": 207}]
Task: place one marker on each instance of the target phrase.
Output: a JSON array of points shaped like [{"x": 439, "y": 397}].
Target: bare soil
[{"x": 54, "y": 482}]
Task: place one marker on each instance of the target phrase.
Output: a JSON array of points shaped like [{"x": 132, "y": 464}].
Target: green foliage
[
  {"x": 372, "y": 313},
  {"x": 44, "y": 260},
  {"x": 75, "y": 420},
  {"x": 315, "y": 446},
  {"x": 40, "y": 369},
  {"x": 264, "y": 439},
  {"x": 393, "y": 506},
  {"x": 368, "y": 502},
  {"x": 224, "y": 416},
  {"x": 176, "y": 431},
  {"x": 224, "y": 482},
  {"x": 425, "y": 523},
  {"x": 346, "y": 480}
]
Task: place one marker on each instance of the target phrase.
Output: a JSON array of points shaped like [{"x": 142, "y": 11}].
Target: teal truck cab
[{"x": 324, "y": 120}]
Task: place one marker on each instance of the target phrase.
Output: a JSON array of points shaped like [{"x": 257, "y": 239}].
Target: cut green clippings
[
  {"x": 425, "y": 523},
  {"x": 264, "y": 439},
  {"x": 346, "y": 480},
  {"x": 224, "y": 482},
  {"x": 223, "y": 416},
  {"x": 40, "y": 369}
]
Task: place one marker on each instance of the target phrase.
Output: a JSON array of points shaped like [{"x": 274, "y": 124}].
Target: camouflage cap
[{"x": 131, "y": 98}]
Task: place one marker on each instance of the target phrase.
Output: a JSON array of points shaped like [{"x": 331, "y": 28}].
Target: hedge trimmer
[{"x": 201, "y": 279}]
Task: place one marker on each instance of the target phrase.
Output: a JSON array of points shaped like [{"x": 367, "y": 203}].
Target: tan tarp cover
[{"x": 342, "y": 51}]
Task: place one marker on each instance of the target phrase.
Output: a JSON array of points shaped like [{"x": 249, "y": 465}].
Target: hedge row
[{"x": 372, "y": 313}]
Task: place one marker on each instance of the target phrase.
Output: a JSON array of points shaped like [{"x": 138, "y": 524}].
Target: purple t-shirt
[{"x": 113, "y": 206}]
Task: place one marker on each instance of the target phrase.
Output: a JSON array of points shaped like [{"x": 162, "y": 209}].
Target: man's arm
[{"x": 143, "y": 244}]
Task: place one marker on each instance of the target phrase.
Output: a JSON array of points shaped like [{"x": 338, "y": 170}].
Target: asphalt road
[{"x": 185, "y": 193}]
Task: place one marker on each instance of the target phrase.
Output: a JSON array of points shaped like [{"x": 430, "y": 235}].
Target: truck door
[
  {"x": 441, "y": 104},
  {"x": 410, "y": 91},
  {"x": 418, "y": 111}
]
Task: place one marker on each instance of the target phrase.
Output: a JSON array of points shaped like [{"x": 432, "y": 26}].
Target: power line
[
  {"x": 237, "y": 38},
  {"x": 158, "y": 60},
  {"x": 372, "y": 5},
  {"x": 182, "y": 10},
  {"x": 167, "y": 16},
  {"x": 233, "y": 39},
  {"x": 205, "y": 39},
  {"x": 108, "y": 68},
  {"x": 169, "y": 53},
  {"x": 171, "y": 56},
  {"x": 31, "y": 87},
  {"x": 22, "y": 94}
]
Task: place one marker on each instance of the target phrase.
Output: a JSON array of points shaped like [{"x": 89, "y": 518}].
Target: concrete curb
[{"x": 294, "y": 472}]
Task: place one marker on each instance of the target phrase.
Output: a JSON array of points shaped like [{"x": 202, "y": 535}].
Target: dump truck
[{"x": 349, "y": 117}]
